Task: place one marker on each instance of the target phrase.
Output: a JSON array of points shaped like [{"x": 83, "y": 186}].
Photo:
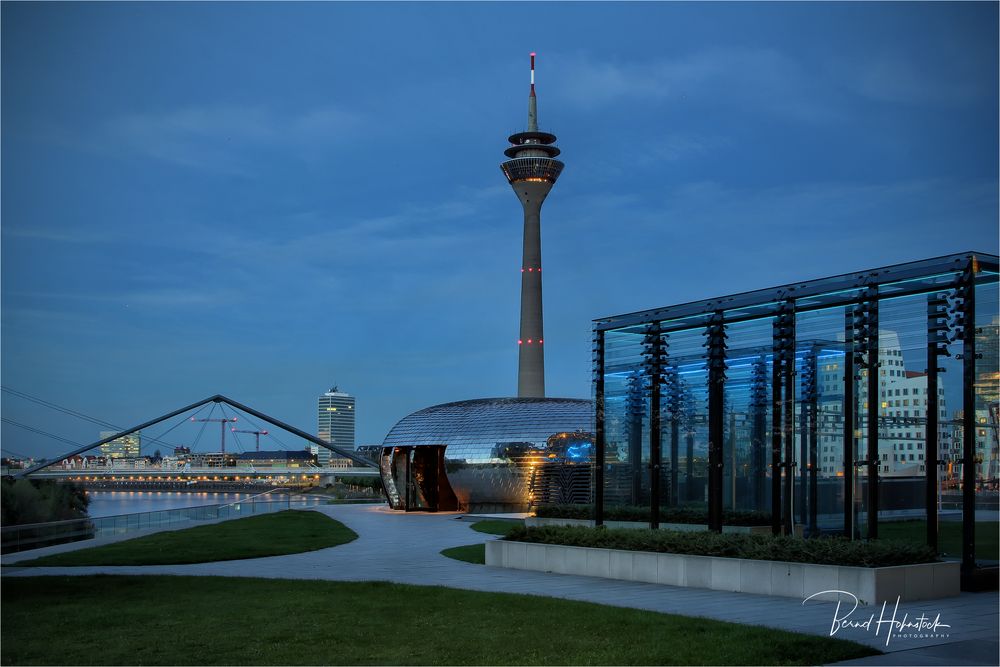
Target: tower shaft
[
  {"x": 531, "y": 172},
  {"x": 531, "y": 353}
]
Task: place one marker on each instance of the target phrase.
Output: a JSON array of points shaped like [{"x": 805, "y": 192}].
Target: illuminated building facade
[
  {"x": 495, "y": 454},
  {"x": 335, "y": 424},
  {"x": 126, "y": 447},
  {"x": 760, "y": 400}
]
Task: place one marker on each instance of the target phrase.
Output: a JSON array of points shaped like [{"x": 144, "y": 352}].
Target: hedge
[
  {"x": 698, "y": 515},
  {"x": 823, "y": 550}
]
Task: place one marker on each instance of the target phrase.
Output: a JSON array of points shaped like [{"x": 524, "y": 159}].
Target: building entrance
[{"x": 416, "y": 480}]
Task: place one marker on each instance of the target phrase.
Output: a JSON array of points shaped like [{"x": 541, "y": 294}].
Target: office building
[
  {"x": 126, "y": 447},
  {"x": 335, "y": 424}
]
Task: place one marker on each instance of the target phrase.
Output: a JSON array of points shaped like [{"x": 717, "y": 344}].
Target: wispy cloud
[
  {"x": 221, "y": 138},
  {"x": 55, "y": 235},
  {"x": 763, "y": 80},
  {"x": 898, "y": 80}
]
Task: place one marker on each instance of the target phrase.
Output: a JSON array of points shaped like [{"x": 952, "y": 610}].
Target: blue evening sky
[{"x": 263, "y": 200}]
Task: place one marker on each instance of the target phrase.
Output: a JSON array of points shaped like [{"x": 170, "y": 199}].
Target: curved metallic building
[{"x": 499, "y": 454}]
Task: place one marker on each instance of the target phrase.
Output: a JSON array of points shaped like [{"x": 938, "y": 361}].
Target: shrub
[
  {"x": 824, "y": 550},
  {"x": 39, "y": 501},
  {"x": 696, "y": 514}
]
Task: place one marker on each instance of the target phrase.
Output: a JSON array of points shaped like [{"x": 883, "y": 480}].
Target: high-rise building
[
  {"x": 126, "y": 447},
  {"x": 335, "y": 424},
  {"x": 531, "y": 171}
]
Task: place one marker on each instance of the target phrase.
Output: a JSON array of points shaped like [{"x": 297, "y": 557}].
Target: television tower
[{"x": 531, "y": 171}]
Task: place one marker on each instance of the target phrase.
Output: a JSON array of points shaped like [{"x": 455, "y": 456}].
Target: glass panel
[
  {"x": 624, "y": 410},
  {"x": 687, "y": 361},
  {"x": 747, "y": 417},
  {"x": 820, "y": 336},
  {"x": 902, "y": 421},
  {"x": 987, "y": 394}
]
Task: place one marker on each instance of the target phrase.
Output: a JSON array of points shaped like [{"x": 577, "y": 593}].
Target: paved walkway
[{"x": 405, "y": 548}]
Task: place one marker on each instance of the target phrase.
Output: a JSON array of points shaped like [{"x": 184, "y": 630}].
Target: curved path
[{"x": 405, "y": 548}]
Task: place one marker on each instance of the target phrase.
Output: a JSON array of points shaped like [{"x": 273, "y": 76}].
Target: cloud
[
  {"x": 56, "y": 235},
  {"x": 899, "y": 81},
  {"x": 763, "y": 80},
  {"x": 220, "y": 138}
]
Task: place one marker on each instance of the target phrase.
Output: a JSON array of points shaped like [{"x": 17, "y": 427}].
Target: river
[{"x": 112, "y": 503}]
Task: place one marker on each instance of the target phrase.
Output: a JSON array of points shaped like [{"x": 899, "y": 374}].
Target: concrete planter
[
  {"x": 535, "y": 521},
  {"x": 796, "y": 580}
]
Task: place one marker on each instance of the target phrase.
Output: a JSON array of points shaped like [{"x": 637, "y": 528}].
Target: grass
[
  {"x": 496, "y": 526},
  {"x": 232, "y": 621},
  {"x": 276, "y": 534},
  {"x": 949, "y": 536},
  {"x": 470, "y": 553},
  {"x": 476, "y": 553}
]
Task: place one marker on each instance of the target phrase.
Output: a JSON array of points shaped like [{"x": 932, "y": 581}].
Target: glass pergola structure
[{"x": 860, "y": 404}]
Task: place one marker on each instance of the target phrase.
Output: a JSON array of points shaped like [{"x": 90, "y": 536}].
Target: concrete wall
[{"x": 796, "y": 580}]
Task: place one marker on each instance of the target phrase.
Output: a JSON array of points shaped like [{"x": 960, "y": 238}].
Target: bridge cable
[
  {"x": 269, "y": 433},
  {"x": 39, "y": 431},
  {"x": 71, "y": 412},
  {"x": 232, "y": 430},
  {"x": 184, "y": 420},
  {"x": 203, "y": 425}
]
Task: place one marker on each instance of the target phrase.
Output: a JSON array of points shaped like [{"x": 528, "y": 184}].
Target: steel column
[
  {"x": 634, "y": 411},
  {"x": 849, "y": 426},
  {"x": 813, "y": 455},
  {"x": 716, "y": 343},
  {"x": 674, "y": 408},
  {"x": 598, "y": 366},
  {"x": 758, "y": 394},
  {"x": 968, "y": 294},
  {"x": 788, "y": 423},
  {"x": 873, "y": 364},
  {"x": 654, "y": 356},
  {"x": 937, "y": 345},
  {"x": 776, "y": 382}
]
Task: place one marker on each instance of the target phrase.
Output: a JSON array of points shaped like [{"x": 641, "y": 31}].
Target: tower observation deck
[{"x": 532, "y": 170}]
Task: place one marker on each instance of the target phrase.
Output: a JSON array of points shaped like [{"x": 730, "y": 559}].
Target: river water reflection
[{"x": 112, "y": 503}]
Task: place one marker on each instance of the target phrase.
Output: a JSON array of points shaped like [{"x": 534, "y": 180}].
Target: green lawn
[
  {"x": 276, "y": 534},
  {"x": 221, "y": 620},
  {"x": 470, "y": 553},
  {"x": 949, "y": 536},
  {"x": 495, "y": 526},
  {"x": 476, "y": 553}
]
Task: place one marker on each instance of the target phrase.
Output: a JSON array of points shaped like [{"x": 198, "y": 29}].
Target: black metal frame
[
  {"x": 860, "y": 293},
  {"x": 599, "y": 445},
  {"x": 716, "y": 344},
  {"x": 654, "y": 359},
  {"x": 967, "y": 293}
]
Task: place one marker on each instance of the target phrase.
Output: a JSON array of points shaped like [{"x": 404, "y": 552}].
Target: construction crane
[
  {"x": 257, "y": 434},
  {"x": 222, "y": 423}
]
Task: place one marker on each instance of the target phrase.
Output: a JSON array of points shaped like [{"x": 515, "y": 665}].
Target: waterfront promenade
[{"x": 405, "y": 548}]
